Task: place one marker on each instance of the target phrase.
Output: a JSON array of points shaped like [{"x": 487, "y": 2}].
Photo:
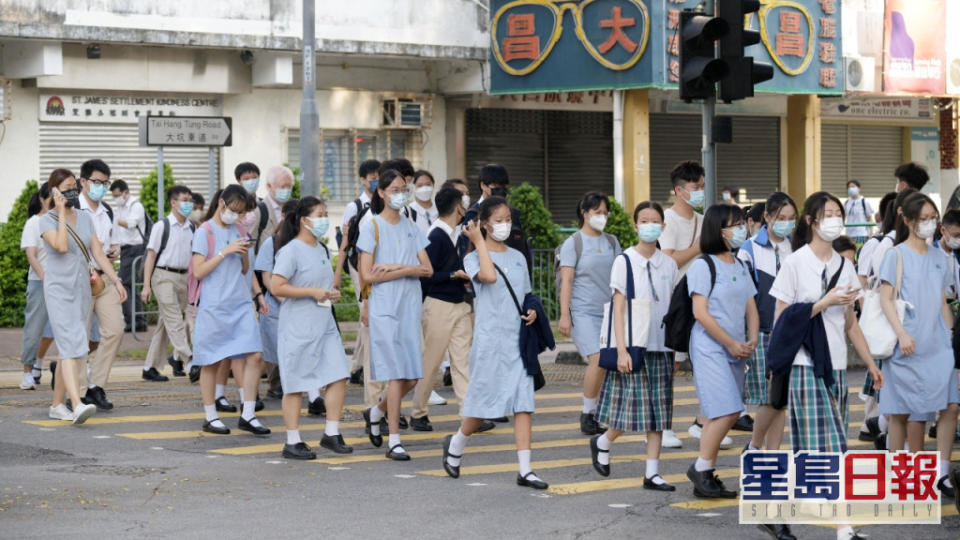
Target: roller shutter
[{"x": 869, "y": 154}]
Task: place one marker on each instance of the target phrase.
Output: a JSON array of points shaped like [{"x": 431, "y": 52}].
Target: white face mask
[
  {"x": 830, "y": 228},
  {"x": 501, "y": 231},
  {"x": 423, "y": 193},
  {"x": 927, "y": 228},
  {"x": 466, "y": 201},
  {"x": 229, "y": 217},
  {"x": 953, "y": 242},
  {"x": 196, "y": 215},
  {"x": 598, "y": 222}
]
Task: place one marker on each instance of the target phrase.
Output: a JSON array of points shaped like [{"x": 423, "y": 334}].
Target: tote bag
[
  {"x": 874, "y": 323},
  {"x": 636, "y": 327}
]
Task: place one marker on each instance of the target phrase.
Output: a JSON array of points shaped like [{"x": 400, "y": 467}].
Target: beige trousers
[
  {"x": 447, "y": 327},
  {"x": 110, "y": 313},
  {"x": 170, "y": 288}
]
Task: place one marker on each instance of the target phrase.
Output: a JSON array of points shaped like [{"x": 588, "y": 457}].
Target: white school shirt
[
  {"x": 133, "y": 214},
  {"x": 30, "y": 237},
  {"x": 858, "y": 211},
  {"x": 663, "y": 273},
  {"x": 680, "y": 233},
  {"x": 102, "y": 225},
  {"x": 801, "y": 280},
  {"x": 176, "y": 254},
  {"x": 350, "y": 209},
  {"x": 425, "y": 216},
  {"x": 453, "y": 233}
]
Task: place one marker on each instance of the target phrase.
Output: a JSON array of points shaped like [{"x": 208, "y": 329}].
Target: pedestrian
[
  {"x": 920, "y": 378},
  {"x": 754, "y": 215},
  {"x": 129, "y": 225},
  {"x": 165, "y": 274},
  {"x": 35, "y": 319},
  {"x": 910, "y": 175},
  {"x": 199, "y": 205},
  {"x": 846, "y": 248},
  {"x": 640, "y": 401},
  {"x": 586, "y": 258},
  {"x": 310, "y": 352},
  {"x": 764, "y": 255},
  {"x": 858, "y": 210},
  {"x": 226, "y": 327},
  {"x": 723, "y": 338},
  {"x": 816, "y": 282},
  {"x": 730, "y": 194},
  {"x": 495, "y": 182},
  {"x": 499, "y": 383},
  {"x": 73, "y": 246},
  {"x": 392, "y": 259},
  {"x": 423, "y": 205}
]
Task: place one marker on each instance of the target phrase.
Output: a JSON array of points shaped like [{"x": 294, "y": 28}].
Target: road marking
[
  {"x": 338, "y": 468},
  {"x": 707, "y": 504},
  {"x": 591, "y": 486},
  {"x": 619, "y": 505},
  {"x": 709, "y": 514},
  {"x": 404, "y": 476},
  {"x": 476, "y": 484},
  {"x": 273, "y": 462},
  {"x": 102, "y": 437},
  {"x": 156, "y": 448}
]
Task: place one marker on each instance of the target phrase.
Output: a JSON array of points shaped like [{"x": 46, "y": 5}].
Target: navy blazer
[
  {"x": 794, "y": 329},
  {"x": 534, "y": 339}
]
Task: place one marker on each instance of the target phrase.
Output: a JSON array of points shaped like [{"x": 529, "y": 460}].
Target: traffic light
[
  {"x": 743, "y": 72},
  {"x": 699, "y": 68}
]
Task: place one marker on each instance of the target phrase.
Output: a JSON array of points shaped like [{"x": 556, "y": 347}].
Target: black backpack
[
  {"x": 165, "y": 235},
  {"x": 679, "y": 318},
  {"x": 353, "y": 233}
]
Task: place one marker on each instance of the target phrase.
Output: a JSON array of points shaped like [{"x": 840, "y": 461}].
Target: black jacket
[
  {"x": 794, "y": 329},
  {"x": 534, "y": 339},
  {"x": 443, "y": 257}
]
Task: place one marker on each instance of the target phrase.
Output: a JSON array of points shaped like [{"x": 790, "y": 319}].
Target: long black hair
[
  {"x": 290, "y": 227},
  {"x": 591, "y": 201},
  {"x": 35, "y": 206},
  {"x": 288, "y": 208},
  {"x": 643, "y": 206},
  {"x": 777, "y": 201},
  {"x": 229, "y": 195},
  {"x": 387, "y": 178},
  {"x": 911, "y": 208},
  {"x": 485, "y": 211},
  {"x": 717, "y": 218},
  {"x": 813, "y": 208},
  {"x": 892, "y": 210}
]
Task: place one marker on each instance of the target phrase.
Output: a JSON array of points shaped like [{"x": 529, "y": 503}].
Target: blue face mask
[
  {"x": 739, "y": 236},
  {"x": 185, "y": 208},
  {"x": 696, "y": 198},
  {"x": 319, "y": 226},
  {"x": 250, "y": 184},
  {"x": 97, "y": 191},
  {"x": 649, "y": 232},
  {"x": 783, "y": 229},
  {"x": 282, "y": 195},
  {"x": 373, "y": 185},
  {"x": 398, "y": 200}
]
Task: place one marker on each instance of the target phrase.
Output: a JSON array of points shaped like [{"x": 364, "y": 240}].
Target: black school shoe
[
  {"x": 298, "y": 451},
  {"x": 589, "y": 425},
  {"x": 706, "y": 485},
  {"x": 648, "y": 483},
  {"x": 501, "y": 420},
  {"x": 357, "y": 377},
  {"x": 376, "y": 440},
  {"x": 224, "y": 406},
  {"x": 603, "y": 470},
  {"x": 96, "y": 396},
  {"x": 210, "y": 428},
  {"x": 777, "y": 532},
  {"x": 256, "y": 430},
  {"x": 945, "y": 490},
  {"x": 177, "y": 366},
  {"x": 398, "y": 456},
  {"x": 447, "y": 378},
  {"x": 275, "y": 393},
  {"x": 524, "y": 481},
  {"x": 452, "y": 472},
  {"x": 744, "y": 423},
  {"x": 335, "y": 444},
  {"x": 486, "y": 425},
  {"x": 421, "y": 424},
  {"x": 955, "y": 479},
  {"x": 153, "y": 375},
  {"x": 317, "y": 407},
  {"x": 194, "y": 374}
]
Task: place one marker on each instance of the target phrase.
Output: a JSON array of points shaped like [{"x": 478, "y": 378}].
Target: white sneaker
[
  {"x": 669, "y": 439},
  {"x": 81, "y": 413},
  {"x": 727, "y": 442},
  {"x": 436, "y": 399},
  {"x": 60, "y": 412},
  {"x": 28, "y": 383},
  {"x": 695, "y": 430}
]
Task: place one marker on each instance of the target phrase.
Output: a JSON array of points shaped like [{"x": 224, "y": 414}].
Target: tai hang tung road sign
[{"x": 185, "y": 131}]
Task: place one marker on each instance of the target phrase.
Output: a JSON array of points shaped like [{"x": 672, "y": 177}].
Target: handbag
[
  {"x": 874, "y": 323},
  {"x": 637, "y": 328},
  {"x": 96, "y": 282}
]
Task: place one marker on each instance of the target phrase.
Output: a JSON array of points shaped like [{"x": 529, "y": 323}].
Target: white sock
[
  {"x": 90, "y": 386},
  {"x": 653, "y": 472},
  {"x": 249, "y": 410},
  {"x": 457, "y": 443},
  {"x": 293, "y": 436},
  {"x": 375, "y": 415},
  {"x": 844, "y": 532},
  {"x": 702, "y": 465},
  {"x": 882, "y": 423},
  {"x": 312, "y": 395},
  {"x": 241, "y": 394},
  {"x": 523, "y": 456},
  {"x": 945, "y": 468},
  {"x": 332, "y": 428},
  {"x": 603, "y": 443},
  {"x": 36, "y": 370},
  {"x": 210, "y": 411},
  {"x": 589, "y": 405},
  {"x": 744, "y": 411},
  {"x": 750, "y": 446},
  {"x": 394, "y": 440},
  {"x": 218, "y": 393},
  {"x": 906, "y": 445}
]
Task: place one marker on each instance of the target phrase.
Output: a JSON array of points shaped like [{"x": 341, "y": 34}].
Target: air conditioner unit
[
  {"x": 859, "y": 73},
  {"x": 403, "y": 113}
]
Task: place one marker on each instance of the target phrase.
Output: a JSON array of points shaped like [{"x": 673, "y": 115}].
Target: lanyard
[
  {"x": 776, "y": 253},
  {"x": 653, "y": 290}
]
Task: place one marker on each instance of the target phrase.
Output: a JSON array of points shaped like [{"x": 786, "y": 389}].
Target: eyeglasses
[{"x": 98, "y": 182}]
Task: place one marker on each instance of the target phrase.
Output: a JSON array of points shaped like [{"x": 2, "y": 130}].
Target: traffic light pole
[
  {"x": 708, "y": 151},
  {"x": 309, "y": 117}
]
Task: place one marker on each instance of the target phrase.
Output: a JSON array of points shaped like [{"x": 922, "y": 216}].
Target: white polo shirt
[{"x": 176, "y": 254}]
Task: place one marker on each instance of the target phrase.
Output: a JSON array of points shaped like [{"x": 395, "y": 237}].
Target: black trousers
[{"x": 128, "y": 254}]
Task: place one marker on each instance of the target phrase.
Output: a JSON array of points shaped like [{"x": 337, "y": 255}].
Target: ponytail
[
  {"x": 290, "y": 227},
  {"x": 214, "y": 203},
  {"x": 911, "y": 207}
]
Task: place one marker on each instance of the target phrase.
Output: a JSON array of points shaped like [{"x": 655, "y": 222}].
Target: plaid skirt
[
  {"x": 868, "y": 383},
  {"x": 640, "y": 401},
  {"x": 819, "y": 415},
  {"x": 756, "y": 389}
]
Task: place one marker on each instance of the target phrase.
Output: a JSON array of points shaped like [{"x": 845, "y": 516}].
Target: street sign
[{"x": 186, "y": 131}]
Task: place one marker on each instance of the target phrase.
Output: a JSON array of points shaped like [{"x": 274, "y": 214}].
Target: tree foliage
[
  {"x": 537, "y": 220},
  {"x": 13, "y": 261},
  {"x": 148, "y": 190},
  {"x": 620, "y": 224}
]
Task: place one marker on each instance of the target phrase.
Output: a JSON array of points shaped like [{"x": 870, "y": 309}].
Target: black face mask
[
  {"x": 498, "y": 192},
  {"x": 73, "y": 197}
]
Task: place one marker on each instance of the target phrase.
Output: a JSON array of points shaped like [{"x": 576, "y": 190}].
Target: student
[
  {"x": 586, "y": 258},
  {"x": 226, "y": 327},
  {"x": 495, "y": 182},
  {"x": 910, "y": 175},
  {"x": 35, "y": 315},
  {"x": 426, "y": 210},
  {"x": 73, "y": 244},
  {"x": 196, "y": 217},
  {"x": 129, "y": 226},
  {"x": 919, "y": 376},
  {"x": 720, "y": 342},
  {"x": 730, "y": 194},
  {"x": 461, "y": 186},
  {"x": 310, "y": 351},
  {"x": 499, "y": 383},
  {"x": 858, "y": 210},
  {"x": 367, "y": 173},
  {"x": 818, "y": 406},
  {"x": 754, "y": 218},
  {"x": 165, "y": 273},
  {"x": 392, "y": 258},
  {"x": 764, "y": 255},
  {"x": 642, "y": 400},
  {"x": 846, "y": 248}
]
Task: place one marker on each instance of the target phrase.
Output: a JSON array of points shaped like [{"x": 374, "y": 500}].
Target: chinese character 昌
[{"x": 523, "y": 42}]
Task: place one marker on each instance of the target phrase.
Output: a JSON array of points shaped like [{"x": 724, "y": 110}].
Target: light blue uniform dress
[
  {"x": 718, "y": 376},
  {"x": 499, "y": 384},
  {"x": 395, "y": 306},
  {"x": 591, "y": 280},
  {"x": 268, "y": 323},
  {"x": 66, "y": 287},
  {"x": 226, "y": 326},
  {"x": 919, "y": 383},
  {"x": 310, "y": 351}
]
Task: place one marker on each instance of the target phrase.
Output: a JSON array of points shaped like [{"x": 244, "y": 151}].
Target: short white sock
[
  {"x": 218, "y": 392},
  {"x": 844, "y": 532},
  {"x": 332, "y": 428},
  {"x": 744, "y": 411},
  {"x": 750, "y": 446},
  {"x": 945, "y": 468},
  {"x": 653, "y": 472},
  {"x": 210, "y": 411},
  {"x": 293, "y": 436},
  {"x": 589, "y": 405},
  {"x": 882, "y": 423},
  {"x": 249, "y": 410},
  {"x": 91, "y": 386},
  {"x": 523, "y": 456},
  {"x": 702, "y": 465},
  {"x": 604, "y": 443},
  {"x": 394, "y": 440},
  {"x": 445, "y": 365},
  {"x": 241, "y": 394},
  {"x": 906, "y": 445},
  {"x": 457, "y": 443},
  {"x": 312, "y": 395},
  {"x": 375, "y": 415},
  {"x": 36, "y": 370}
]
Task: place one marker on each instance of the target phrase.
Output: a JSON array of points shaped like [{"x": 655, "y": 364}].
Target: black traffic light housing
[
  {"x": 700, "y": 70},
  {"x": 743, "y": 72}
]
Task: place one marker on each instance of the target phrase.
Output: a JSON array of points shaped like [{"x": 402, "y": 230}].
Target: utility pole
[
  {"x": 309, "y": 117},
  {"x": 708, "y": 152}
]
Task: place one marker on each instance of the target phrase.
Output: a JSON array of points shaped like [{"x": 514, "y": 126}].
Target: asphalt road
[{"x": 145, "y": 470}]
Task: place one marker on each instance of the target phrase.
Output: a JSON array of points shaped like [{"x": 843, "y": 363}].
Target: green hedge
[
  {"x": 148, "y": 190},
  {"x": 13, "y": 261},
  {"x": 620, "y": 224},
  {"x": 537, "y": 221}
]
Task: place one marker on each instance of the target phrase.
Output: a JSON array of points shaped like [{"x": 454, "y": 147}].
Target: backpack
[
  {"x": 193, "y": 284},
  {"x": 264, "y": 219},
  {"x": 147, "y": 225},
  {"x": 165, "y": 235},
  {"x": 578, "y": 247},
  {"x": 679, "y": 318}
]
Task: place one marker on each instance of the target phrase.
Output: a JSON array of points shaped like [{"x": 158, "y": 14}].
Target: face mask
[
  {"x": 398, "y": 200},
  {"x": 373, "y": 185},
  {"x": 598, "y": 222},
  {"x": 196, "y": 215},
  {"x": 250, "y": 184},
  {"x": 185, "y": 208},
  {"x": 501, "y": 231},
  {"x": 73, "y": 197},
  {"x": 726, "y": 197},
  {"x": 953, "y": 243},
  {"x": 229, "y": 217},
  {"x": 282, "y": 195},
  {"x": 830, "y": 228},
  {"x": 97, "y": 191},
  {"x": 423, "y": 193},
  {"x": 499, "y": 192},
  {"x": 696, "y": 198},
  {"x": 739, "y": 236},
  {"x": 466, "y": 201},
  {"x": 927, "y": 228},
  {"x": 649, "y": 232},
  {"x": 783, "y": 228},
  {"x": 319, "y": 226},
  {"x": 853, "y": 191}
]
